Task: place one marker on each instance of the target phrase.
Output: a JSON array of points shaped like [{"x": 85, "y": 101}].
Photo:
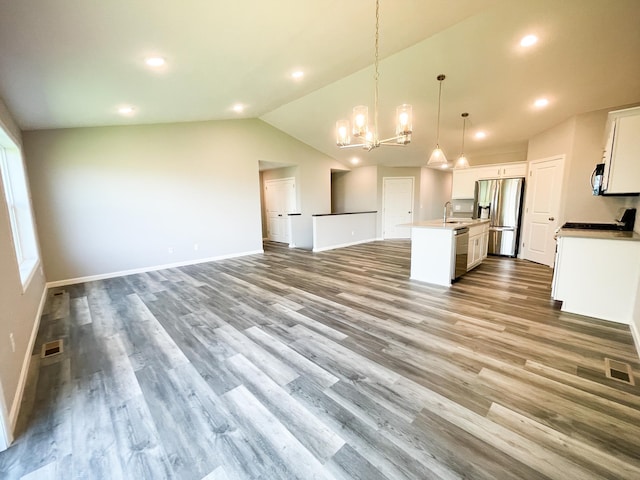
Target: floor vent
[
  {"x": 50, "y": 349},
  {"x": 618, "y": 371},
  {"x": 58, "y": 294}
]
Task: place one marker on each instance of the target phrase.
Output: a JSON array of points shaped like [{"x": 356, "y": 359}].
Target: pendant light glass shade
[
  {"x": 438, "y": 158},
  {"x": 462, "y": 161}
]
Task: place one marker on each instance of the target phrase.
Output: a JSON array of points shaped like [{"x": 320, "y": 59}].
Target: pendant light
[
  {"x": 462, "y": 161},
  {"x": 364, "y": 135},
  {"x": 438, "y": 158}
]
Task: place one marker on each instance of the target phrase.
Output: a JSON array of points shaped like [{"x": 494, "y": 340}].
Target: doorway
[
  {"x": 397, "y": 206},
  {"x": 542, "y": 208},
  {"x": 280, "y": 200}
]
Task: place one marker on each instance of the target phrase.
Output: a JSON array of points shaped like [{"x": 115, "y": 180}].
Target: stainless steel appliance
[
  {"x": 625, "y": 221},
  {"x": 500, "y": 200},
  {"x": 462, "y": 247}
]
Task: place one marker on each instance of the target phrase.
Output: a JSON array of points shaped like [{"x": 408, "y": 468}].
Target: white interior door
[
  {"x": 280, "y": 200},
  {"x": 5, "y": 439},
  {"x": 542, "y": 209},
  {"x": 397, "y": 206}
]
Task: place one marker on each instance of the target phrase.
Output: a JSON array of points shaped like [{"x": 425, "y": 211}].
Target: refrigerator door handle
[{"x": 503, "y": 229}]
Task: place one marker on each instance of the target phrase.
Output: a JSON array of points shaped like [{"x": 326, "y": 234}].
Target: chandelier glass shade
[
  {"x": 438, "y": 158},
  {"x": 359, "y": 132}
]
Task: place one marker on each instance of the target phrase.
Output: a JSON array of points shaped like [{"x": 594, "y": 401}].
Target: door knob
[{"x": 551, "y": 219}]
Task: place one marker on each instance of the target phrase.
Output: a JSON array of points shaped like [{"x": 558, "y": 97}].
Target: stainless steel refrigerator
[{"x": 500, "y": 200}]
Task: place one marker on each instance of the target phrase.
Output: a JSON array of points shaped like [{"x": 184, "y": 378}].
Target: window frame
[{"x": 17, "y": 198}]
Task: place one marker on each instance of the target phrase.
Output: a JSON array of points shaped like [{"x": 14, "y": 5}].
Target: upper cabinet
[
  {"x": 622, "y": 152},
  {"x": 464, "y": 181}
]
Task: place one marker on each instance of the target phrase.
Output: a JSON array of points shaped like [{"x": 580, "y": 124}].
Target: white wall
[
  {"x": 18, "y": 311},
  {"x": 113, "y": 199}
]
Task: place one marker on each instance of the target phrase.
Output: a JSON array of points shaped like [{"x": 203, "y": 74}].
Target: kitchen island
[
  {"x": 433, "y": 249},
  {"x": 597, "y": 273}
]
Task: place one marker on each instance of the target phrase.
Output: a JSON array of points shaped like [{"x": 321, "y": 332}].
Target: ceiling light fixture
[
  {"x": 480, "y": 135},
  {"x": 126, "y": 110},
  {"x": 367, "y": 137},
  {"x": 355, "y": 161},
  {"x": 528, "y": 40},
  {"x": 297, "y": 75},
  {"x": 155, "y": 61},
  {"x": 438, "y": 158},
  {"x": 462, "y": 161},
  {"x": 541, "y": 102},
  {"x": 238, "y": 108}
]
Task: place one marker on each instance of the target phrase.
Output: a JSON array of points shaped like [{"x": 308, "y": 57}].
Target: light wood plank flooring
[{"x": 320, "y": 366}]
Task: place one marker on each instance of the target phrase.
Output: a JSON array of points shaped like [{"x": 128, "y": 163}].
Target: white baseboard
[
  {"x": 22, "y": 381},
  {"x": 91, "y": 278},
  {"x": 635, "y": 333},
  {"x": 342, "y": 245}
]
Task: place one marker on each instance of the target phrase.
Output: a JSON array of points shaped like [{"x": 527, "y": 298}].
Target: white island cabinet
[
  {"x": 597, "y": 273},
  {"x": 433, "y": 249}
]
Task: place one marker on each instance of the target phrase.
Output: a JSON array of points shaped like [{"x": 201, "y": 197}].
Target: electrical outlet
[
  {"x": 170, "y": 249},
  {"x": 13, "y": 343},
  {"x": 196, "y": 247},
  {"x": 352, "y": 233}
]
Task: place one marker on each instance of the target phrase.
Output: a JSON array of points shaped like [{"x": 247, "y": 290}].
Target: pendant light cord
[
  {"x": 464, "y": 124},
  {"x": 438, "y": 124},
  {"x": 375, "y": 77}
]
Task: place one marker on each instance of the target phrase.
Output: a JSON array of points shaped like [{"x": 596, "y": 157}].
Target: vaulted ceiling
[{"x": 65, "y": 63}]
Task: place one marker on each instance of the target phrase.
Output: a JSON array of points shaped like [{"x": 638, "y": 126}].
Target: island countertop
[{"x": 450, "y": 224}]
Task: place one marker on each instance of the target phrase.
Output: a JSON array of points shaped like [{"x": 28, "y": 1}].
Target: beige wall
[
  {"x": 355, "y": 190},
  {"x": 113, "y": 199},
  {"x": 18, "y": 310},
  {"x": 435, "y": 191}
]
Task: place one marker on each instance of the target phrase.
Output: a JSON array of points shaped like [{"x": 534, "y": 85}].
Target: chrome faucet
[{"x": 444, "y": 217}]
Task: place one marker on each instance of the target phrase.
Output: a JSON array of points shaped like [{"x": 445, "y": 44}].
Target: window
[{"x": 16, "y": 193}]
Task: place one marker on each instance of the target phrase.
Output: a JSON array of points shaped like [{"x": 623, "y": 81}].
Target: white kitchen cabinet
[
  {"x": 464, "y": 181},
  {"x": 598, "y": 277},
  {"x": 622, "y": 152},
  {"x": 504, "y": 170},
  {"x": 478, "y": 244}
]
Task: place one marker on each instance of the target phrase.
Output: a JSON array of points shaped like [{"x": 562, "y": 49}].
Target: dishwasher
[{"x": 461, "y": 236}]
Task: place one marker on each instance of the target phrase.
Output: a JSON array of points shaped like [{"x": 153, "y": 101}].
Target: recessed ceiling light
[
  {"x": 297, "y": 75},
  {"x": 541, "y": 102},
  {"x": 155, "y": 61},
  {"x": 480, "y": 135},
  {"x": 355, "y": 160},
  {"x": 126, "y": 110},
  {"x": 238, "y": 108},
  {"x": 528, "y": 40}
]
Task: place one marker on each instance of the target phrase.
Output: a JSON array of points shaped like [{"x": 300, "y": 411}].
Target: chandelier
[{"x": 364, "y": 135}]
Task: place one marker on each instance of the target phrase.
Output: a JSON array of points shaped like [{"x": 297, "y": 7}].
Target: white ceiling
[{"x": 65, "y": 63}]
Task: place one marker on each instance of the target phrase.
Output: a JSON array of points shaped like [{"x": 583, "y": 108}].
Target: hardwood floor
[{"x": 318, "y": 366}]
